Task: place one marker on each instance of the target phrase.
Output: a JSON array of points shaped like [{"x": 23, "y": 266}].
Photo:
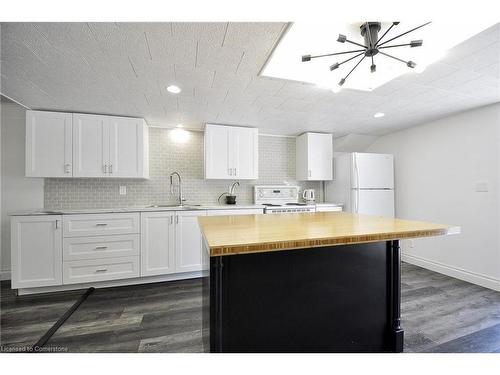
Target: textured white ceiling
[{"x": 124, "y": 69}]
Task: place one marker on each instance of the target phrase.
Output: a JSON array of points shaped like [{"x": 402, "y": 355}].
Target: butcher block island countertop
[{"x": 230, "y": 235}]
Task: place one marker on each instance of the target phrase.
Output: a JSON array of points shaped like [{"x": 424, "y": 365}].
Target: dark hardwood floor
[{"x": 440, "y": 314}]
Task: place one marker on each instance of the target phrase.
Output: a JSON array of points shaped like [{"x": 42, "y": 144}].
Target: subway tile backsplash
[{"x": 276, "y": 166}]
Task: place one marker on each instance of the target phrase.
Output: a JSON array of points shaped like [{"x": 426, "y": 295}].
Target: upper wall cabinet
[
  {"x": 48, "y": 144},
  {"x": 108, "y": 146},
  {"x": 82, "y": 145},
  {"x": 314, "y": 157},
  {"x": 231, "y": 152}
]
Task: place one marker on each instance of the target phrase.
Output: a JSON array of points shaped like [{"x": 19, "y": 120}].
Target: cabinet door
[
  {"x": 217, "y": 164},
  {"x": 90, "y": 146},
  {"x": 320, "y": 156},
  {"x": 126, "y": 147},
  {"x": 48, "y": 144},
  {"x": 157, "y": 243},
  {"x": 244, "y": 148},
  {"x": 188, "y": 241},
  {"x": 36, "y": 248}
]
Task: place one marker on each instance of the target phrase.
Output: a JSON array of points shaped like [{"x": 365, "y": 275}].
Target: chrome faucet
[
  {"x": 231, "y": 188},
  {"x": 179, "y": 185}
]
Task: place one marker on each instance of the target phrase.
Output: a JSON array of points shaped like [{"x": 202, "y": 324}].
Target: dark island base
[{"x": 329, "y": 299}]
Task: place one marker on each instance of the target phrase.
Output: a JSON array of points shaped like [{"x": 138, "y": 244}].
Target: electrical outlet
[
  {"x": 123, "y": 190},
  {"x": 482, "y": 186}
]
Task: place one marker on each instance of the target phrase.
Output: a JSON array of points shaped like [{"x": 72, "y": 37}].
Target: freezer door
[
  {"x": 372, "y": 171},
  {"x": 373, "y": 202}
]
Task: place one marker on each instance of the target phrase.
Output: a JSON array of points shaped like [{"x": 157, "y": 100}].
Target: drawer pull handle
[
  {"x": 101, "y": 247},
  {"x": 101, "y": 270},
  {"x": 101, "y": 224}
]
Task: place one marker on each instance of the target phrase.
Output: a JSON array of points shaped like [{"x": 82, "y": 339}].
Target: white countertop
[{"x": 149, "y": 208}]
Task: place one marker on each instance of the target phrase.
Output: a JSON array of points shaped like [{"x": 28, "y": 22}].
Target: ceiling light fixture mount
[
  {"x": 379, "y": 114},
  {"x": 372, "y": 46}
]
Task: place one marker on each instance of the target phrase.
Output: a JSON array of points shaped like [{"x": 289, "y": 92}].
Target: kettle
[{"x": 308, "y": 195}]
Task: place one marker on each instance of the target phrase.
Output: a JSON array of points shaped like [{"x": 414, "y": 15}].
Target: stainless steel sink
[{"x": 176, "y": 206}]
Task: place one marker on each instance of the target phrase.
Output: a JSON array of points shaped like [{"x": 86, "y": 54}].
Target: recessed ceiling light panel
[
  {"x": 174, "y": 89},
  {"x": 379, "y": 114}
]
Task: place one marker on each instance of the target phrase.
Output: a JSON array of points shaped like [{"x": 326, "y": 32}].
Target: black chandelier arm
[
  {"x": 394, "y": 57},
  {"x": 357, "y": 44},
  {"x": 355, "y": 66},
  {"x": 351, "y": 58},
  {"x": 386, "y": 31},
  {"x": 395, "y": 45},
  {"x": 406, "y": 32},
  {"x": 337, "y": 53}
]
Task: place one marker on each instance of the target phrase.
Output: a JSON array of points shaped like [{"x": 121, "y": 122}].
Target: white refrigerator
[{"x": 364, "y": 182}]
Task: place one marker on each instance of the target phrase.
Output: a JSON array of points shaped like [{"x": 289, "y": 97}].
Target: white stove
[{"x": 279, "y": 199}]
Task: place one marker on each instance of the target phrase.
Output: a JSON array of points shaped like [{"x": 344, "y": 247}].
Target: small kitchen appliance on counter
[
  {"x": 279, "y": 199},
  {"x": 309, "y": 196}
]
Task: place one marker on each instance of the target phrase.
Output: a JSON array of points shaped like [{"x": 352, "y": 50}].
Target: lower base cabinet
[
  {"x": 157, "y": 243},
  {"x": 36, "y": 251},
  {"x": 94, "y": 270},
  {"x": 188, "y": 241},
  {"x": 56, "y": 250},
  {"x": 170, "y": 242}
]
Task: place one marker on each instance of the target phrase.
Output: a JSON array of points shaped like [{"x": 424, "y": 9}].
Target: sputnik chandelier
[{"x": 373, "y": 45}]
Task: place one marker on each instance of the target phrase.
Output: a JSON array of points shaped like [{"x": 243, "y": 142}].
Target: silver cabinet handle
[
  {"x": 176, "y": 219},
  {"x": 57, "y": 224},
  {"x": 171, "y": 219},
  {"x": 101, "y": 247},
  {"x": 101, "y": 224},
  {"x": 234, "y": 172},
  {"x": 111, "y": 168},
  {"x": 101, "y": 270}
]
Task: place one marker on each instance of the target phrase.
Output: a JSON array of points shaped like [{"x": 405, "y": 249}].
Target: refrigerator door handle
[{"x": 356, "y": 171}]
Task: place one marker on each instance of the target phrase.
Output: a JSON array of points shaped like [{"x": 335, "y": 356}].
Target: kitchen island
[{"x": 308, "y": 282}]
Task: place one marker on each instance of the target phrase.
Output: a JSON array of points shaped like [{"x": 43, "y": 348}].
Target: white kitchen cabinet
[
  {"x": 90, "y": 146},
  {"x": 110, "y": 146},
  {"x": 231, "y": 152},
  {"x": 188, "y": 241},
  {"x": 95, "y": 270},
  {"x": 128, "y": 147},
  {"x": 48, "y": 144},
  {"x": 36, "y": 251},
  {"x": 101, "y": 224},
  {"x": 157, "y": 243},
  {"x": 244, "y": 151},
  {"x": 314, "y": 157}
]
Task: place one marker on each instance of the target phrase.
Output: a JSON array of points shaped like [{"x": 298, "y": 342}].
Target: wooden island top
[{"x": 243, "y": 234}]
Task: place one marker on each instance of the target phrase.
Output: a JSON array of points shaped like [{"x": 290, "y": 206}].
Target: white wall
[
  {"x": 17, "y": 191},
  {"x": 437, "y": 168}
]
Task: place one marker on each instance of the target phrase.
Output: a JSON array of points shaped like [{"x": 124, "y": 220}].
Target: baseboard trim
[
  {"x": 5, "y": 275},
  {"x": 457, "y": 273},
  {"x": 113, "y": 283}
]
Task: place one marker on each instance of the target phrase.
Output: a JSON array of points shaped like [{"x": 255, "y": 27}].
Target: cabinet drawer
[
  {"x": 89, "y": 270},
  {"x": 100, "y": 224},
  {"x": 98, "y": 247}
]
